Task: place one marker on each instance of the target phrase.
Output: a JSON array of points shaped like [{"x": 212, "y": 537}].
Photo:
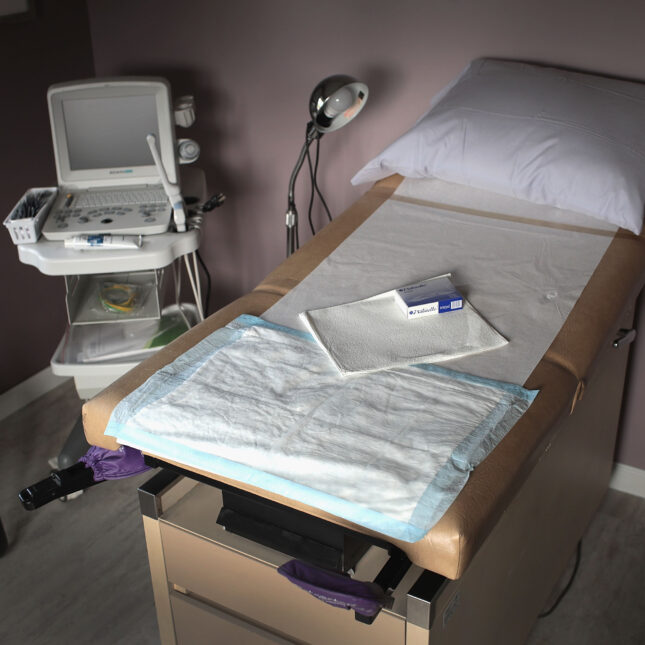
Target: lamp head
[{"x": 335, "y": 101}]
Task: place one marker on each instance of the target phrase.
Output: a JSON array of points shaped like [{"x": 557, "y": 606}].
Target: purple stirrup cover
[
  {"x": 114, "y": 464},
  {"x": 335, "y": 589}
]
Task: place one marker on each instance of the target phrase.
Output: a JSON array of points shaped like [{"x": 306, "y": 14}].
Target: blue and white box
[{"x": 433, "y": 296}]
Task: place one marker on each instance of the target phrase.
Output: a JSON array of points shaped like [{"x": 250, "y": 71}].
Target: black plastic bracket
[{"x": 59, "y": 484}]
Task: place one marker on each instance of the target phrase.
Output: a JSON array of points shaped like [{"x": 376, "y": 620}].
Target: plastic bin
[
  {"x": 134, "y": 296},
  {"x": 26, "y": 220},
  {"x": 93, "y": 375}
]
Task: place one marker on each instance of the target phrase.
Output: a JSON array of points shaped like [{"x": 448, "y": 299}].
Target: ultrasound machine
[
  {"x": 107, "y": 178},
  {"x": 116, "y": 224}
]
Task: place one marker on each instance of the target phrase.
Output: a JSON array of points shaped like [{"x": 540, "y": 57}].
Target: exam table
[
  {"x": 482, "y": 573},
  {"x": 484, "y": 570}
]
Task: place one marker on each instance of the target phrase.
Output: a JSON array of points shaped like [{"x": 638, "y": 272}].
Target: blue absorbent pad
[{"x": 263, "y": 405}]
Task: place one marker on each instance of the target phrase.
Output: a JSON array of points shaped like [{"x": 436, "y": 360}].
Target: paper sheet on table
[{"x": 523, "y": 278}]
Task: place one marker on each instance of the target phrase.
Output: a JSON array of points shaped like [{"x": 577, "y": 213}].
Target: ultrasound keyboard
[
  {"x": 120, "y": 197},
  {"x": 140, "y": 211}
]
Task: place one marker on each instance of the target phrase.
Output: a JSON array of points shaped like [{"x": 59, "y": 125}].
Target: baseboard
[
  {"x": 628, "y": 479},
  {"x": 29, "y": 390}
]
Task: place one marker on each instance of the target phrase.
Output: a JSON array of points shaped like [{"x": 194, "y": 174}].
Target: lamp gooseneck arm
[{"x": 292, "y": 213}]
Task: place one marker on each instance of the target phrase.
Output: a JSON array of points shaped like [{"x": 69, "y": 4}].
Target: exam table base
[{"x": 212, "y": 586}]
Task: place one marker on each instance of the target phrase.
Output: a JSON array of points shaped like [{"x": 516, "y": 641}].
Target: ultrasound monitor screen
[{"x": 109, "y": 132}]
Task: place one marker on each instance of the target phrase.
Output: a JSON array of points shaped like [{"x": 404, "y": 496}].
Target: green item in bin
[{"x": 170, "y": 327}]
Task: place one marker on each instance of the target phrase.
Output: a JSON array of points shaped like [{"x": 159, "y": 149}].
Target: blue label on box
[{"x": 436, "y": 295}]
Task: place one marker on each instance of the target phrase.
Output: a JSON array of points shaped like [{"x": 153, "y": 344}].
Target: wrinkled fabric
[
  {"x": 550, "y": 136},
  {"x": 114, "y": 464},
  {"x": 337, "y": 590},
  {"x": 262, "y": 404}
]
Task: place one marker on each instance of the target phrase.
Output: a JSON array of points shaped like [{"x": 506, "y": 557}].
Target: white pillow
[{"x": 570, "y": 140}]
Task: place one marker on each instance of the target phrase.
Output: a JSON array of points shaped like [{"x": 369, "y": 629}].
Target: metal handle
[{"x": 624, "y": 337}]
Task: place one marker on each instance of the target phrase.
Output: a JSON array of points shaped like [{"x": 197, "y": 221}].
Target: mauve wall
[{"x": 53, "y": 47}]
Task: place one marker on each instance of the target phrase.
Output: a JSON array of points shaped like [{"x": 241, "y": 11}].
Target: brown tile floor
[{"x": 76, "y": 572}]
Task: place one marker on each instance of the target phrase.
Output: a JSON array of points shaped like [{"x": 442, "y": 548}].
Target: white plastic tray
[{"x": 91, "y": 377}]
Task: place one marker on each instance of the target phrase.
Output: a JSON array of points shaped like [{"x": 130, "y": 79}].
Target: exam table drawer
[
  {"x": 237, "y": 584},
  {"x": 199, "y": 624}
]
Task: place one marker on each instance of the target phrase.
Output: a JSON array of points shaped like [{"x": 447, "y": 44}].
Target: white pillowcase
[{"x": 570, "y": 140}]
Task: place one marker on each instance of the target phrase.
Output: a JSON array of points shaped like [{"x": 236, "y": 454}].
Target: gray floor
[{"x": 76, "y": 572}]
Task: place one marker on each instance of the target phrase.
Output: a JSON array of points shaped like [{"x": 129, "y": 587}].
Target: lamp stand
[{"x": 292, "y": 213}]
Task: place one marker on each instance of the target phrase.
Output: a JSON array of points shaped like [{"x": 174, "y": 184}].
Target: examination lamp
[{"x": 335, "y": 101}]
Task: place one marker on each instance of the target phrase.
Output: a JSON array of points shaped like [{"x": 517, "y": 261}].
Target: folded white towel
[{"x": 372, "y": 334}]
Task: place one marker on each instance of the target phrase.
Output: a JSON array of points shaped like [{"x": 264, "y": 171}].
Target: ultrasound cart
[
  {"x": 100, "y": 345},
  {"x": 118, "y": 182}
]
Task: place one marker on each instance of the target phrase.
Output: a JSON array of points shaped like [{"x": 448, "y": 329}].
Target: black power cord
[
  {"x": 315, "y": 181},
  {"x": 207, "y": 299},
  {"x": 564, "y": 591},
  {"x": 4, "y": 543},
  {"x": 312, "y": 193},
  {"x": 313, "y": 176},
  {"x": 195, "y": 221}
]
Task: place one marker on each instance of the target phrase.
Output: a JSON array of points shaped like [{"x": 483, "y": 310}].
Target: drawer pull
[{"x": 624, "y": 337}]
